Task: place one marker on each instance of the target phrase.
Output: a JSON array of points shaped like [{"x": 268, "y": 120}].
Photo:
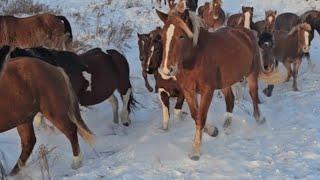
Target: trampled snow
[{"x": 286, "y": 147}]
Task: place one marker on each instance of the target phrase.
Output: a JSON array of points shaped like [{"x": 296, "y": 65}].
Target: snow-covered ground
[{"x": 286, "y": 147}]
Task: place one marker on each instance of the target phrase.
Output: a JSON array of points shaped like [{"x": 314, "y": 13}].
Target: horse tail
[
  {"x": 67, "y": 26},
  {"x": 123, "y": 68},
  {"x": 74, "y": 113},
  {"x": 5, "y": 52}
]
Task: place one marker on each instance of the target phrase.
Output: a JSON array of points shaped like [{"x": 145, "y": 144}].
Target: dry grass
[{"x": 14, "y": 7}]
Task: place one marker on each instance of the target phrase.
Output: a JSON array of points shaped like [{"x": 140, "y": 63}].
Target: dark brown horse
[
  {"x": 106, "y": 73},
  {"x": 212, "y": 14},
  {"x": 167, "y": 87},
  {"x": 243, "y": 19},
  {"x": 144, "y": 41},
  {"x": 311, "y": 17},
  {"x": 266, "y": 25},
  {"x": 286, "y": 21},
  {"x": 36, "y": 86},
  {"x": 199, "y": 61},
  {"x": 290, "y": 47},
  {"x": 40, "y": 30}
]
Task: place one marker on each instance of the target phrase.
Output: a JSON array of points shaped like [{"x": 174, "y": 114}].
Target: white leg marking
[
  {"x": 149, "y": 58},
  {"x": 115, "y": 107},
  {"x": 38, "y": 120},
  {"x": 125, "y": 113},
  {"x": 237, "y": 89},
  {"x": 87, "y": 76},
  {"x": 165, "y": 110},
  {"x": 247, "y": 20},
  {"x": 77, "y": 161},
  {"x": 177, "y": 113},
  {"x": 169, "y": 35},
  {"x": 306, "y": 38}
]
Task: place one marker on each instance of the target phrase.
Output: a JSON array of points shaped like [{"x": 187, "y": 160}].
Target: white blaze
[
  {"x": 149, "y": 59},
  {"x": 169, "y": 34},
  {"x": 247, "y": 20},
  {"x": 270, "y": 18},
  {"x": 87, "y": 76}
]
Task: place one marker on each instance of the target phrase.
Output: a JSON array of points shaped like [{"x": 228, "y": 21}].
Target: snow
[{"x": 286, "y": 147}]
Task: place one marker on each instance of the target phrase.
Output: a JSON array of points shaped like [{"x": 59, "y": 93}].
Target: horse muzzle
[{"x": 305, "y": 49}]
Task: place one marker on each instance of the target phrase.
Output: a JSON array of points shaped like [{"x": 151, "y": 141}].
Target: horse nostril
[
  {"x": 126, "y": 124},
  {"x": 266, "y": 67}
]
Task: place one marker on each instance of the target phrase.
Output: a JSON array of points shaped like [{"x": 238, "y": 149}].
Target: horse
[
  {"x": 311, "y": 17},
  {"x": 286, "y": 21},
  {"x": 212, "y": 14},
  {"x": 39, "y": 30},
  {"x": 289, "y": 49},
  {"x": 36, "y": 86},
  {"x": 266, "y": 25},
  {"x": 143, "y": 43},
  {"x": 167, "y": 88},
  {"x": 106, "y": 72},
  {"x": 243, "y": 19},
  {"x": 198, "y": 60}
]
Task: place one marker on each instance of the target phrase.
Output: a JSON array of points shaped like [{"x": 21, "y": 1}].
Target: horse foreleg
[
  {"x": 146, "y": 82},
  {"x": 296, "y": 66},
  {"x": 164, "y": 99},
  {"x": 115, "y": 107},
  {"x": 206, "y": 98},
  {"x": 178, "y": 107},
  {"x": 253, "y": 90},
  {"x": 287, "y": 65},
  {"x": 229, "y": 99},
  {"x": 28, "y": 140}
]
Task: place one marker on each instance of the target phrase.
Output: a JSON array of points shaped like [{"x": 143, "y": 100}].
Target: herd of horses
[{"x": 190, "y": 55}]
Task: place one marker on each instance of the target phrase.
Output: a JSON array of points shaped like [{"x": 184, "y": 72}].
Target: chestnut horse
[
  {"x": 35, "y": 86},
  {"x": 167, "y": 88},
  {"x": 289, "y": 49},
  {"x": 266, "y": 25},
  {"x": 106, "y": 73},
  {"x": 199, "y": 61},
  {"x": 243, "y": 19},
  {"x": 212, "y": 14},
  {"x": 40, "y": 30}
]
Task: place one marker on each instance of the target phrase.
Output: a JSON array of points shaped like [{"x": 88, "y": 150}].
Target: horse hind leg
[
  {"x": 253, "y": 90},
  {"x": 124, "y": 116},
  {"x": 115, "y": 107},
  {"x": 229, "y": 99},
  {"x": 69, "y": 129},
  {"x": 164, "y": 99},
  {"x": 28, "y": 140}
]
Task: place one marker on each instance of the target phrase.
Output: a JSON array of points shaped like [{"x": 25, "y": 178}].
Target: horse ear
[
  {"x": 139, "y": 35},
  {"x": 163, "y": 16},
  {"x": 275, "y": 12},
  {"x": 251, "y": 8},
  {"x": 243, "y": 8}
]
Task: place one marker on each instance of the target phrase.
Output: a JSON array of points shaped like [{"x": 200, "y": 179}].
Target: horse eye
[{"x": 181, "y": 37}]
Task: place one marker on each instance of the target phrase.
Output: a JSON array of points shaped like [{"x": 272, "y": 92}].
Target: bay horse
[
  {"x": 167, "y": 87},
  {"x": 289, "y": 49},
  {"x": 35, "y": 86},
  {"x": 212, "y": 14},
  {"x": 106, "y": 73},
  {"x": 243, "y": 19},
  {"x": 39, "y": 30},
  {"x": 266, "y": 25},
  {"x": 200, "y": 63},
  {"x": 286, "y": 21}
]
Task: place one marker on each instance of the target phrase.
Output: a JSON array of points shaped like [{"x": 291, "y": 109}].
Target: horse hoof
[
  {"x": 77, "y": 162},
  {"x": 194, "y": 157},
  {"x": 261, "y": 121},
  {"x": 150, "y": 89},
  {"x": 126, "y": 124},
  {"x": 211, "y": 132},
  {"x": 295, "y": 89},
  {"x": 266, "y": 92}
]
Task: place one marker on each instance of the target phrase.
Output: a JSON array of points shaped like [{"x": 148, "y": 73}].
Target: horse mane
[{"x": 197, "y": 24}]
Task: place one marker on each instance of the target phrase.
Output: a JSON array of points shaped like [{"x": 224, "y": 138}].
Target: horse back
[
  {"x": 235, "y": 20},
  {"x": 286, "y": 21}
]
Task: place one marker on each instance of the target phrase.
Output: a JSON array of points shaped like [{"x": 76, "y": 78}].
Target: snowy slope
[{"x": 286, "y": 147}]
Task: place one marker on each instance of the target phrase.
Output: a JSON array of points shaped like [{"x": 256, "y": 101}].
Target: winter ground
[{"x": 286, "y": 147}]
